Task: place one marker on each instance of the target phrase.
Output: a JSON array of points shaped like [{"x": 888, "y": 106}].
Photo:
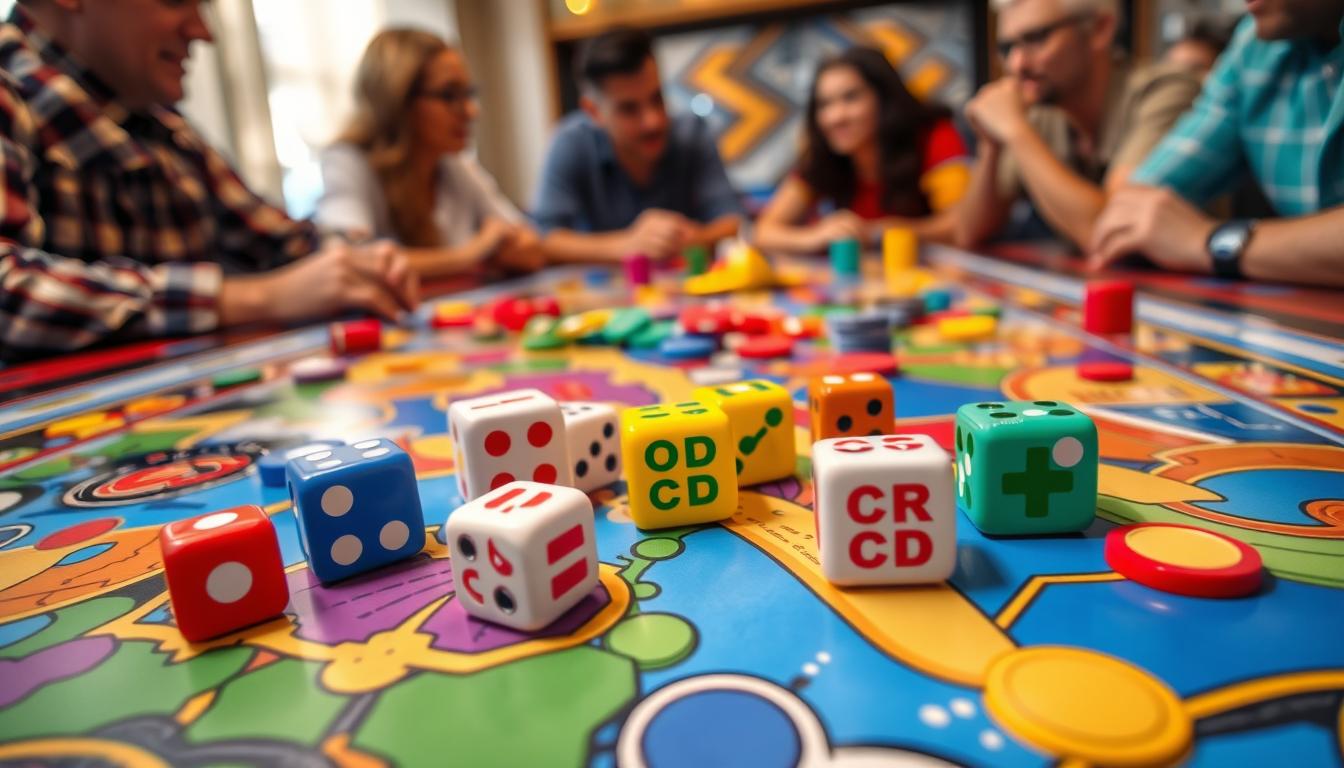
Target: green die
[{"x": 1026, "y": 467}]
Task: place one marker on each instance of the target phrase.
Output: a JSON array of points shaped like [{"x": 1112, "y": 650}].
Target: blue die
[{"x": 357, "y": 507}]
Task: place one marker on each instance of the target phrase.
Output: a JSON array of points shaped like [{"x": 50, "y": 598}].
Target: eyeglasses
[
  {"x": 452, "y": 94},
  {"x": 1035, "y": 38}
]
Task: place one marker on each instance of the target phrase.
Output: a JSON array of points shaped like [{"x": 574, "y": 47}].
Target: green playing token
[
  {"x": 540, "y": 333},
  {"x": 652, "y": 335},
  {"x": 236, "y": 377},
  {"x": 697, "y": 260},
  {"x": 992, "y": 310},
  {"x": 625, "y": 323}
]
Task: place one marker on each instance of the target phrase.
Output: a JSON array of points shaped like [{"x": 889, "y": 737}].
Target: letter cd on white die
[
  {"x": 523, "y": 554},
  {"x": 886, "y": 512},
  {"x": 514, "y": 435}
]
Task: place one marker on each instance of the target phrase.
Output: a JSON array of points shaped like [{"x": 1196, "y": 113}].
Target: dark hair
[
  {"x": 1208, "y": 31},
  {"x": 618, "y": 51},
  {"x": 902, "y": 123}
]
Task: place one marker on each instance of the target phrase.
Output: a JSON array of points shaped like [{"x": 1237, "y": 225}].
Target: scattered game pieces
[
  {"x": 594, "y": 447},
  {"x": 937, "y": 300},
  {"x": 712, "y": 375},
  {"x": 513, "y": 313},
  {"x": 762, "y": 415},
  {"x": 901, "y": 312},
  {"x": 679, "y": 466},
  {"x": 1105, "y": 370},
  {"x": 519, "y": 434},
  {"x": 1108, "y": 307},
  {"x": 764, "y": 347},
  {"x": 1184, "y": 560},
  {"x": 356, "y": 337},
  {"x": 625, "y": 323},
  {"x": 524, "y": 554},
  {"x": 542, "y": 332},
  {"x": 900, "y": 252},
  {"x": 845, "y": 257},
  {"x": 751, "y": 323},
  {"x": 850, "y": 405},
  {"x": 652, "y": 335},
  {"x": 84, "y": 426},
  {"x": 271, "y": 466},
  {"x": 1026, "y": 467},
  {"x": 315, "y": 369},
  {"x": 697, "y": 259},
  {"x": 638, "y": 269},
  {"x": 484, "y": 328},
  {"x": 968, "y": 328},
  {"x": 886, "y": 513},
  {"x": 583, "y": 324},
  {"x": 235, "y": 378},
  {"x": 744, "y": 268},
  {"x": 707, "y": 319},
  {"x": 453, "y": 314},
  {"x": 990, "y": 310},
  {"x": 148, "y": 406},
  {"x": 357, "y": 506},
  {"x": 867, "y": 332},
  {"x": 806, "y": 327},
  {"x": 224, "y": 571},
  {"x": 688, "y": 347}
]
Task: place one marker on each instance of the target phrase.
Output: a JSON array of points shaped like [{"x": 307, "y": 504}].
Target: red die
[
  {"x": 224, "y": 571},
  {"x": 1108, "y": 307}
]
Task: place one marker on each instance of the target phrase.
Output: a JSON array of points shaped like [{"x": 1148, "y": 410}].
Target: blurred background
[{"x": 275, "y": 86}]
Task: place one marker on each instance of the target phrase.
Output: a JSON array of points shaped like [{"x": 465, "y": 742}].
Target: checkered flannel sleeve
[
  {"x": 1202, "y": 157},
  {"x": 51, "y": 302},
  {"x": 253, "y": 232}
]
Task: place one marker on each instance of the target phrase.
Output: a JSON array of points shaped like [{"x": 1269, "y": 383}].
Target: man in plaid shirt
[
  {"x": 116, "y": 219},
  {"x": 1273, "y": 106}
]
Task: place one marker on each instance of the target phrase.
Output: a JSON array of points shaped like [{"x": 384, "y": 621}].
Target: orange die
[{"x": 851, "y": 405}]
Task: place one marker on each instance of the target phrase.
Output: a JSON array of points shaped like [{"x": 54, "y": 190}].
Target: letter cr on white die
[
  {"x": 886, "y": 512},
  {"x": 594, "y": 444},
  {"x": 523, "y": 554},
  {"x": 500, "y": 438}
]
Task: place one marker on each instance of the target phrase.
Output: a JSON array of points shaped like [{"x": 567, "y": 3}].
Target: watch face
[{"x": 1227, "y": 240}]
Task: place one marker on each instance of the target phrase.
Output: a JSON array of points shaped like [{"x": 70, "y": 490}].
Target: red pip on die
[{"x": 224, "y": 571}]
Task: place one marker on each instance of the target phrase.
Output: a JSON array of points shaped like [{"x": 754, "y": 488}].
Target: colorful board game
[{"x": 707, "y": 645}]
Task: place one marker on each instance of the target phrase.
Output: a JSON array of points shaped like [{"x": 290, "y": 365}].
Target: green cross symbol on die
[{"x": 1026, "y": 467}]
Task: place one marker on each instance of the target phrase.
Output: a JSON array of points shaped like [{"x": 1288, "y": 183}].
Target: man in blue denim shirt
[{"x": 623, "y": 177}]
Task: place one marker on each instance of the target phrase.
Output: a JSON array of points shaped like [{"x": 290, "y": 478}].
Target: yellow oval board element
[
  {"x": 1085, "y": 705},
  {"x": 1183, "y": 547},
  {"x": 970, "y": 328}
]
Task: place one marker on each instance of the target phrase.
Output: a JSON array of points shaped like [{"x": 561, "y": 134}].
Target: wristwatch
[{"x": 1226, "y": 245}]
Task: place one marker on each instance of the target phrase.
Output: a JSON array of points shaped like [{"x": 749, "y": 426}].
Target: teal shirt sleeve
[{"x": 1203, "y": 157}]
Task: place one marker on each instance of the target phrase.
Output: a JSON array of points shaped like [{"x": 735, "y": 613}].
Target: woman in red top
[{"x": 873, "y": 154}]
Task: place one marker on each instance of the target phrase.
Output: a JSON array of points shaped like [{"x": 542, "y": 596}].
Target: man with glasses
[
  {"x": 621, "y": 176},
  {"x": 117, "y": 220},
  {"x": 1067, "y": 122},
  {"x": 1273, "y": 107}
]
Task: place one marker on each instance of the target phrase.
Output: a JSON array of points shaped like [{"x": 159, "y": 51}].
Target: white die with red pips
[{"x": 500, "y": 438}]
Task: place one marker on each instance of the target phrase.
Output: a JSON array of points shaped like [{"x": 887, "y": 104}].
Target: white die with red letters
[
  {"x": 523, "y": 554},
  {"x": 500, "y": 438},
  {"x": 886, "y": 512}
]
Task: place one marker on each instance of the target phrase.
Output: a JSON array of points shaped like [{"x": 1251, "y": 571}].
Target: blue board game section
[
  {"x": 1191, "y": 642},
  {"x": 722, "y": 728},
  {"x": 1265, "y": 745},
  {"x": 1241, "y": 501},
  {"x": 990, "y": 570},
  {"x": 1235, "y": 421}
]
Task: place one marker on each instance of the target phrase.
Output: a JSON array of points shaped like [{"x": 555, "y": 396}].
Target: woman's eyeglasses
[{"x": 451, "y": 95}]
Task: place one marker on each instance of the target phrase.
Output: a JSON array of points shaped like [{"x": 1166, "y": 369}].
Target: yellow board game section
[
  {"x": 761, "y": 413},
  {"x": 679, "y": 464}
]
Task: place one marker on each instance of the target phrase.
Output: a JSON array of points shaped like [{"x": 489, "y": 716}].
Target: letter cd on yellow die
[
  {"x": 679, "y": 464},
  {"x": 761, "y": 415}
]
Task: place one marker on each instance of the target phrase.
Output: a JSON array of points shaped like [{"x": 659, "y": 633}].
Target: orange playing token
[{"x": 1184, "y": 560}]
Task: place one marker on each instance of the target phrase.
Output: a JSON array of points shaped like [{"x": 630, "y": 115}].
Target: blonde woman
[{"x": 399, "y": 169}]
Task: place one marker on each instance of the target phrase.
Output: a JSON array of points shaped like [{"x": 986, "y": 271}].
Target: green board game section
[
  {"x": 247, "y": 707},
  {"x": 1026, "y": 467},
  {"x": 491, "y": 717},
  {"x": 653, "y": 640}
]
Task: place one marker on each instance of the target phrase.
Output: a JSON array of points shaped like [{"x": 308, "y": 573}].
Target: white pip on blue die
[
  {"x": 500, "y": 438},
  {"x": 886, "y": 510},
  {"x": 357, "y": 507},
  {"x": 594, "y": 444},
  {"x": 523, "y": 554}
]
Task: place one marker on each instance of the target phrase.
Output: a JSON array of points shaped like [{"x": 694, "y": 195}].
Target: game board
[{"x": 711, "y": 645}]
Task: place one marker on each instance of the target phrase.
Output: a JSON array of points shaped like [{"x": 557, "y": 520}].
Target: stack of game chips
[
  {"x": 867, "y": 332},
  {"x": 901, "y": 312}
]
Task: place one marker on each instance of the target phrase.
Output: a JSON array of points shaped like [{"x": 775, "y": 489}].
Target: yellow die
[
  {"x": 678, "y": 464},
  {"x": 761, "y": 414}
]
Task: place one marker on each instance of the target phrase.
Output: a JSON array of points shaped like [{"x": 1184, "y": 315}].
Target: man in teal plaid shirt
[{"x": 1272, "y": 107}]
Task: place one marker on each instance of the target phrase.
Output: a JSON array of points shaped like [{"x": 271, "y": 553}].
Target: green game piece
[
  {"x": 991, "y": 310},
  {"x": 1026, "y": 467},
  {"x": 697, "y": 260},
  {"x": 625, "y": 323},
  {"x": 236, "y": 377},
  {"x": 652, "y": 335},
  {"x": 540, "y": 333},
  {"x": 845, "y": 256}
]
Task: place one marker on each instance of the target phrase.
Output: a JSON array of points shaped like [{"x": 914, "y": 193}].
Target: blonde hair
[
  {"x": 385, "y": 84},
  {"x": 1108, "y": 7}
]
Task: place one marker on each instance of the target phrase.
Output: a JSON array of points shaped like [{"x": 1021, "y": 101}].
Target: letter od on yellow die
[{"x": 679, "y": 464}]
